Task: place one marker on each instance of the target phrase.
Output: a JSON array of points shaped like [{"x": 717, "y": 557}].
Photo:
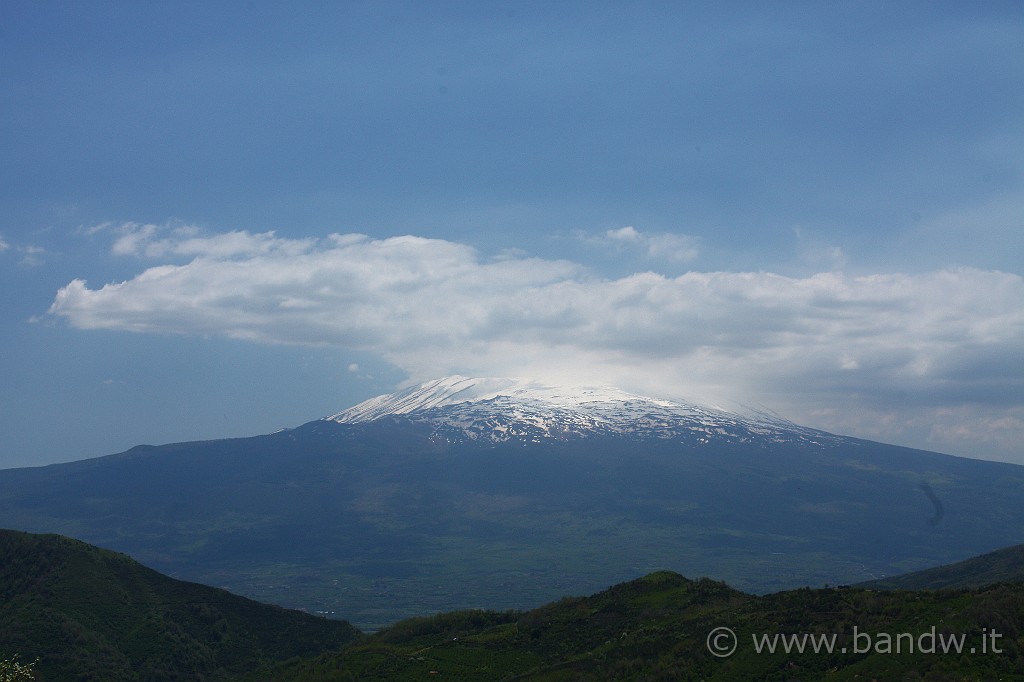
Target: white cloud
[
  {"x": 668, "y": 246},
  {"x": 31, "y": 255},
  {"x": 162, "y": 241},
  {"x": 870, "y": 345},
  {"x": 672, "y": 247},
  {"x": 624, "y": 234}
]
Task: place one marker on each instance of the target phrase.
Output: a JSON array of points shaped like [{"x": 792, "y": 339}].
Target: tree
[{"x": 12, "y": 671}]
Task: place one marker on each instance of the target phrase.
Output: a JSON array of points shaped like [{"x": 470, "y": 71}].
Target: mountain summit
[{"x": 502, "y": 410}]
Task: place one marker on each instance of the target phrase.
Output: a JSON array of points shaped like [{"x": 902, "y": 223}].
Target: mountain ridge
[{"x": 1004, "y": 565}]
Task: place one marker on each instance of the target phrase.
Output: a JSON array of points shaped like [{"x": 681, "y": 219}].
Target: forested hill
[
  {"x": 91, "y": 614},
  {"x": 88, "y": 613},
  {"x": 657, "y": 628}
]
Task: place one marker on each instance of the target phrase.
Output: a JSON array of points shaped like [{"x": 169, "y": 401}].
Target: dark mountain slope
[
  {"x": 89, "y": 613},
  {"x": 379, "y": 521},
  {"x": 512, "y": 500},
  {"x": 1002, "y": 566}
]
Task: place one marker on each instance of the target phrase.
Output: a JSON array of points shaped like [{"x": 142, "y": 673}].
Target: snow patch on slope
[
  {"x": 501, "y": 410},
  {"x": 454, "y": 390}
]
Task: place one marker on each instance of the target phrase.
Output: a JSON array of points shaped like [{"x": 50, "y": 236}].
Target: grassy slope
[{"x": 93, "y": 614}]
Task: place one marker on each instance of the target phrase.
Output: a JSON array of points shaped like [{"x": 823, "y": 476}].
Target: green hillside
[
  {"x": 1002, "y": 566},
  {"x": 657, "y": 627},
  {"x": 92, "y": 614}
]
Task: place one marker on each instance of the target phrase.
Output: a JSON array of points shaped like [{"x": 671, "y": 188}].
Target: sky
[{"x": 222, "y": 219}]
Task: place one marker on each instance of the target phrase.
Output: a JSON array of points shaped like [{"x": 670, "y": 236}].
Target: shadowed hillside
[
  {"x": 1001, "y": 566},
  {"x": 88, "y": 613}
]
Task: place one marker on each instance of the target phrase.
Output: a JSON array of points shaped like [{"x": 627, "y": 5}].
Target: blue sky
[{"x": 219, "y": 219}]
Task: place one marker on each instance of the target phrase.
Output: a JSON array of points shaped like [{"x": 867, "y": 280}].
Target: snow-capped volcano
[
  {"x": 500, "y": 410},
  {"x": 455, "y": 390}
]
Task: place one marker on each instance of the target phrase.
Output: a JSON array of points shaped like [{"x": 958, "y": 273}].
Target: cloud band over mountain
[{"x": 925, "y": 356}]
